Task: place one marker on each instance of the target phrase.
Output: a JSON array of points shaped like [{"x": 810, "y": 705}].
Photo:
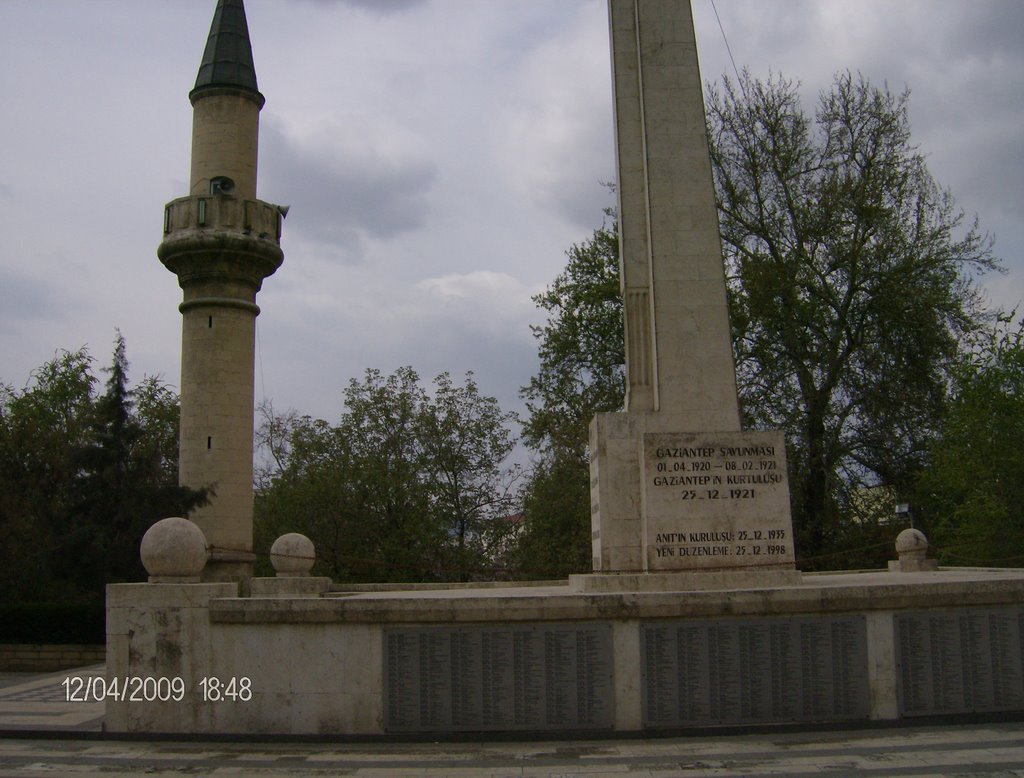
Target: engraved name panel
[
  {"x": 493, "y": 678},
  {"x": 957, "y": 661},
  {"x": 716, "y": 500},
  {"x": 754, "y": 670}
]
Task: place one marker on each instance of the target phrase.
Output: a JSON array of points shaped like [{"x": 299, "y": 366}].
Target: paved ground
[
  {"x": 41, "y": 734},
  {"x": 39, "y": 702}
]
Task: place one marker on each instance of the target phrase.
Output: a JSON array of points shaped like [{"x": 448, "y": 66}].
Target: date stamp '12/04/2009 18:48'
[{"x": 137, "y": 688}]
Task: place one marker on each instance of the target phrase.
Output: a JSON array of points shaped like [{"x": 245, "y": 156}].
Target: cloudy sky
[{"x": 439, "y": 157}]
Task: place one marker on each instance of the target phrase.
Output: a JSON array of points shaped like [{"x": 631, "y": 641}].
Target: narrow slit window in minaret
[{"x": 209, "y": 443}]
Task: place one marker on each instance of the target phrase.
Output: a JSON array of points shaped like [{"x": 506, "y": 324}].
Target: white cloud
[
  {"x": 556, "y": 134},
  {"x": 346, "y": 178}
]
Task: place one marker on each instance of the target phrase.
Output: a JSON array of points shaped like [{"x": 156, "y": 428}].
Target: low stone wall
[
  {"x": 48, "y": 657},
  {"x": 295, "y": 658}
]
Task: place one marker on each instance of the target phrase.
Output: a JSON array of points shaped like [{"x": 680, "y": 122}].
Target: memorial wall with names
[
  {"x": 700, "y": 672},
  {"x": 960, "y": 661},
  {"x": 542, "y": 677},
  {"x": 744, "y": 671}
]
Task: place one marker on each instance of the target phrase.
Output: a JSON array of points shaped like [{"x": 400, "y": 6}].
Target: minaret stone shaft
[{"x": 222, "y": 242}]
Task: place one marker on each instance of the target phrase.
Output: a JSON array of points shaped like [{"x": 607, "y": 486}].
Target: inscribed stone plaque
[
  {"x": 756, "y": 670},
  {"x": 957, "y": 661},
  {"x": 716, "y": 501},
  {"x": 453, "y": 679}
]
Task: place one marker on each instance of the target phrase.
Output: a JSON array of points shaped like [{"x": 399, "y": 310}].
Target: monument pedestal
[{"x": 698, "y": 504}]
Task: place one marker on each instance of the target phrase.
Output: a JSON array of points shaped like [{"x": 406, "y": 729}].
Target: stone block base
[{"x": 669, "y": 501}]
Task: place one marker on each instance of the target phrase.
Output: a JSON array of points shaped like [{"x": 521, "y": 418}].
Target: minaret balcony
[
  {"x": 223, "y": 213},
  {"x": 221, "y": 246}
]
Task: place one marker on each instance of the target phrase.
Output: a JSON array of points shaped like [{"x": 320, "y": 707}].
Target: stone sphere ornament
[
  {"x": 912, "y": 549},
  {"x": 912, "y": 544},
  {"x": 174, "y": 550},
  {"x": 292, "y": 555}
]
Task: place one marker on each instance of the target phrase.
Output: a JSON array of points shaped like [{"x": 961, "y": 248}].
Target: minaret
[{"x": 222, "y": 242}]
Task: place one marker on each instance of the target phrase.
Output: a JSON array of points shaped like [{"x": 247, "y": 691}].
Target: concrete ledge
[
  {"x": 291, "y": 586},
  {"x": 913, "y": 565},
  {"x": 834, "y": 593},
  {"x": 684, "y": 581},
  {"x": 343, "y": 589}
]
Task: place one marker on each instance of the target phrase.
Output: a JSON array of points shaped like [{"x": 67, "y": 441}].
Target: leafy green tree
[
  {"x": 970, "y": 497},
  {"x": 392, "y": 496},
  {"x": 39, "y": 428},
  {"x": 851, "y": 278},
  {"x": 465, "y": 438},
  {"x": 307, "y": 488},
  {"x": 555, "y": 537},
  {"x": 157, "y": 410},
  {"x": 82, "y": 476},
  {"x": 406, "y": 487},
  {"x": 582, "y": 358},
  {"x": 581, "y": 349},
  {"x": 851, "y": 284},
  {"x": 123, "y": 481}
]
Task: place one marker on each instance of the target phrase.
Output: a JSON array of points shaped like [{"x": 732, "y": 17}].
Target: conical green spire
[{"x": 227, "y": 61}]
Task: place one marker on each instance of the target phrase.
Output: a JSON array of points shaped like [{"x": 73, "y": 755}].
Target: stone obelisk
[
  {"x": 222, "y": 241},
  {"x": 676, "y": 485}
]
